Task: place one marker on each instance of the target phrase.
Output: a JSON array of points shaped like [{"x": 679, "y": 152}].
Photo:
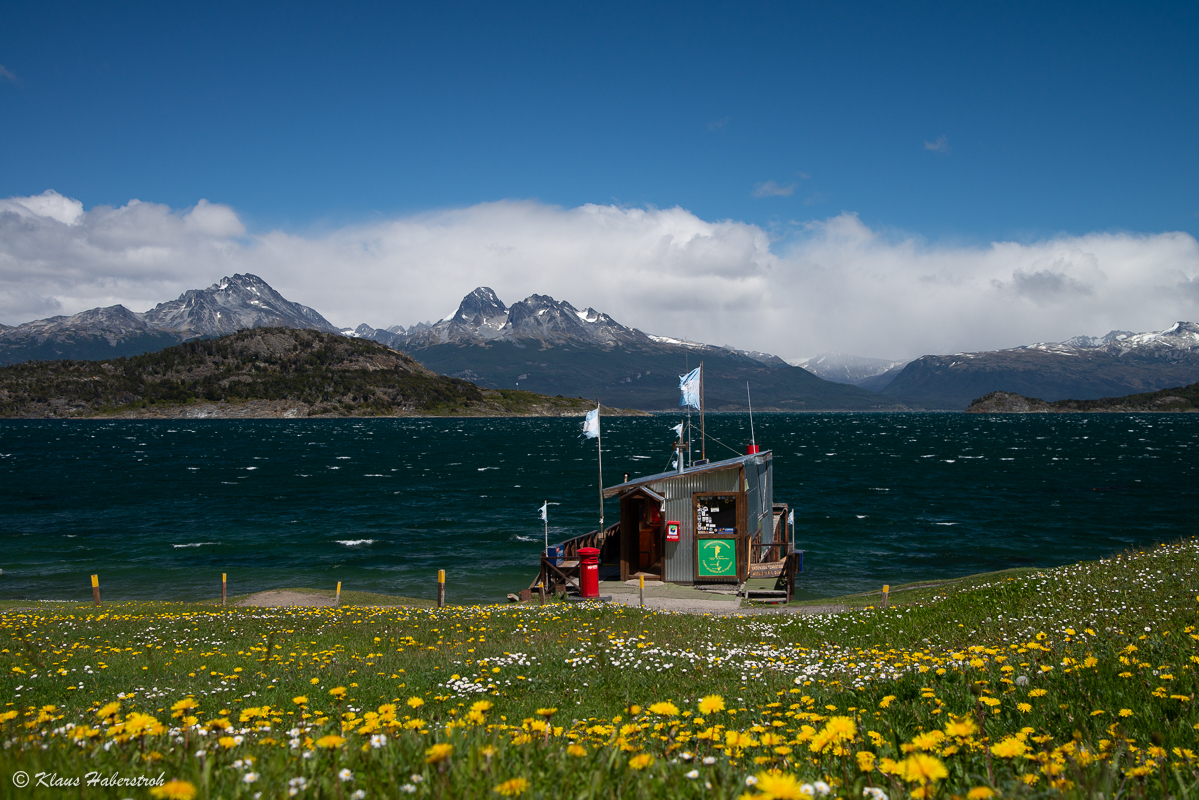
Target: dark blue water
[{"x": 161, "y": 509}]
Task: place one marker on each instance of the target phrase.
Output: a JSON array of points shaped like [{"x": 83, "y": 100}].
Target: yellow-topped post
[
  {"x": 886, "y": 591},
  {"x": 641, "y": 586},
  {"x": 337, "y": 597},
  {"x": 441, "y": 588},
  {"x": 222, "y": 588},
  {"x": 96, "y": 588}
]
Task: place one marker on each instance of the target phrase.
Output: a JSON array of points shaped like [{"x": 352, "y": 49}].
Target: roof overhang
[{"x": 717, "y": 466}]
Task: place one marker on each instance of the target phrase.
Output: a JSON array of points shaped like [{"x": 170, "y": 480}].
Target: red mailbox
[{"x": 589, "y": 572}]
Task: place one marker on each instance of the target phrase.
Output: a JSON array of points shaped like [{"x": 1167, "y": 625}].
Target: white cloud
[
  {"x": 939, "y": 145},
  {"x": 772, "y": 189},
  {"x": 834, "y": 284}
]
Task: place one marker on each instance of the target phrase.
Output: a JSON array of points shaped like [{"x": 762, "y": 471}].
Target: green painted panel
[{"x": 718, "y": 558}]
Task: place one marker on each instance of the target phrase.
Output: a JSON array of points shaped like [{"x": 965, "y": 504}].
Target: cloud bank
[{"x": 829, "y": 284}]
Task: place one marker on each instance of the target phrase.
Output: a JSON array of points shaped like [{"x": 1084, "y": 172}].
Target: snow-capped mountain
[
  {"x": 1081, "y": 368},
  {"x": 549, "y": 346},
  {"x": 845, "y": 368},
  {"x": 538, "y": 319},
  {"x": 1176, "y": 340},
  {"x": 233, "y": 304}
]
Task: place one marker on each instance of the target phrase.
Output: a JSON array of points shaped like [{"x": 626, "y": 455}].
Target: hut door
[{"x": 649, "y": 538}]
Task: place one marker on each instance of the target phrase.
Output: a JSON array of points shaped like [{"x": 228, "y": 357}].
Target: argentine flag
[
  {"x": 689, "y": 387},
  {"x": 591, "y": 425}
]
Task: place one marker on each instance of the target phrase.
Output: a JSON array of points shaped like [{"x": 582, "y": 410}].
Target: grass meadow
[{"x": 1071, "y": 682}]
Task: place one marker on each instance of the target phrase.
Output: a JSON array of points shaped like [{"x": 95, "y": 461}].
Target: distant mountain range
[
  {"x": 1082, "y": 368},
  {"x": 869, "y": 373},
  {"x": 233, "y": 304},
  {"x": 550, "y": 347}
]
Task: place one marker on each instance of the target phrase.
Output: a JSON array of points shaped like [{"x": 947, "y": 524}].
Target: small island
[
  {"x": 263, "y": 373},
  {"x": 1182, "y": 398}
]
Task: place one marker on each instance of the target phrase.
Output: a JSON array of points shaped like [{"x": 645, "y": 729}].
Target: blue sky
[
  {"x": 1055, "y": 117},
  {"x": 884, "y": 179}
]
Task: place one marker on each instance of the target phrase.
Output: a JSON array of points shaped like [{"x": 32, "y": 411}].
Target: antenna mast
[{"x": 752, "y": 439}]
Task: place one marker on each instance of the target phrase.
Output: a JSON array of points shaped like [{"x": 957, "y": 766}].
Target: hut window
[{"x": 716, "y": 515}]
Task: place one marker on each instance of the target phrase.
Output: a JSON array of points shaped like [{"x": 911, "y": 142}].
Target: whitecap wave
[
  {"x": 354, "y": 542},
  {"x": 520, "y": 538},
  {"x": 193, "y": 544}
]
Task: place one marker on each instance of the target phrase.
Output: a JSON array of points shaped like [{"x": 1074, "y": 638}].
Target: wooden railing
[
  {"x": 792, "y": 567},
  {"x": 556, "y": 577}
]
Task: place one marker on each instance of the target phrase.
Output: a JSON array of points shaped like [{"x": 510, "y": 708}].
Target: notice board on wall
[{"x": 717, "y": 557}]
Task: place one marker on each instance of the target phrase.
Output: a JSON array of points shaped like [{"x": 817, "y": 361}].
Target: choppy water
[{"x": 160, "y": 509}]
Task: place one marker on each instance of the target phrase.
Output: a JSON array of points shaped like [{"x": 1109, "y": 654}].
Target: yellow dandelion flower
[
  {"x": 330, "y": 742},
  {"x": 842, "y": 729},
  {"x": 438, "y": 753},
  {"x": 577, "y": 750},
  {"x": 922, "y": 768},
  {"x": 481, "y": 705},
  {"x": 781, "y": 786},
  {"x": 228, "y": 742},
  {"x": 1126, "y": 712},
  {"x": 109, "y": 710},
  {"x": 546, "y": 712},
  {"x": 865, "y": 760},
  {"x": 315, "y": 681},
  {"x": 512, "y": 787},
  {"x": 960, "y": 727},
  {"x": 187, "y": 704},
  {"x": 174, "y": 790},
  {"x": 1010, "y": 747},
  {"x": 980, "y": 793},
  {"x": 1024, "y": 707},
  {"x": 641, "y": 761},
  {"x": 338, "y": 692},
  {"x": 300, "y": 700},
  {"x": 663, "y": 709},
  {"x": 415, "y": 702},
  {"x": 711, "y": 704},
  {"x": 886, "y": 701}
]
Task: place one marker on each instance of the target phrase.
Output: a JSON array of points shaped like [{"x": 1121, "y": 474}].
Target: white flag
[
  {"x": 791, "y": 519},
  {"x": 678, "y": 430},
  {"x": 591, "y": 424},
  {"x": 544, "y": 510},
  {"x": 689, "y": 387}
]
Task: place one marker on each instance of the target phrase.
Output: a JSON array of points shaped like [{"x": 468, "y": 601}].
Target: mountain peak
[
  {"x": 481, "y": 307},
  {"x": 232, "y": 304}
]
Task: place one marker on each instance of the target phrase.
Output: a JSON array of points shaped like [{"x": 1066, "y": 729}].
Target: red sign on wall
[{"x": 672, "y": 531}]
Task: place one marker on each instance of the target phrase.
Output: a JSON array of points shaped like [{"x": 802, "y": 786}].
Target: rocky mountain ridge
[
  {"x": 552, "y": 347},
  {"x": 232, "y": 304},
  {"x": 1082, "y": 368}
]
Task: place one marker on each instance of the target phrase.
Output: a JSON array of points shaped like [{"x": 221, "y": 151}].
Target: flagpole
[
  {"x": 545, "y": 515},
  {"x": 690, "y": 458},
  {"x": 599, "y": 446},
  {"x": 703, "y": 435}
]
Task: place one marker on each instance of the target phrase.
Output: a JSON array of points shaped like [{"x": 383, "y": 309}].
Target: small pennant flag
[
  {"x": 678, "y": 430},
  {"x": 689, "y": 388},
  {"x": 591, "y": 428},
  {"x": 791, "y": 519},
  {"x": 544, "y": 511}
]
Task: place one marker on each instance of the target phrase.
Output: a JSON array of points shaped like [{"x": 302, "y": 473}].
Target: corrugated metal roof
[{"x": 661, "y": 477}]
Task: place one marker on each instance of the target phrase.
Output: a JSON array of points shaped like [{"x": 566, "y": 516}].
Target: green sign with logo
[{"x": 718, "y": 558}]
